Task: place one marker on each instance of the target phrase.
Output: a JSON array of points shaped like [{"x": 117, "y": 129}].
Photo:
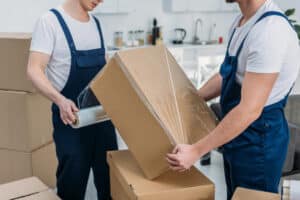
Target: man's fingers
[
  {"x": 175, "y": 150},
  {"x": 62, "y": 117},
  {"x": 172, "y": 162},
  {"x": 172, "y": 157},
  {"x": 71, "y": 115},
  {"x": 74, "y": 107}
]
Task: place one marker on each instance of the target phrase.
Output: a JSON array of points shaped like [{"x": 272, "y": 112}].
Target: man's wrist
[{"x": 201, "y": 148}]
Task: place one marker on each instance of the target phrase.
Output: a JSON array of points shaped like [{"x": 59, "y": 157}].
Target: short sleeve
[
  {"x": 43, "y": 37},
  {"x": 267, "y": 46}
]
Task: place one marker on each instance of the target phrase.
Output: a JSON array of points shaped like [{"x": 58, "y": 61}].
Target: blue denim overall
[
  {"x": 79, "y": 150},
  {"x": 256, "y": 157}
]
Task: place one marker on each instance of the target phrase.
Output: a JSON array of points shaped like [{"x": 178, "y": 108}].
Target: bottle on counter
[
  {"x": 141, "y": 37},
  {"x": 155, "y": 32},
  {"x": 118, "y": 39},
  {"x": 159, "y": 39}
]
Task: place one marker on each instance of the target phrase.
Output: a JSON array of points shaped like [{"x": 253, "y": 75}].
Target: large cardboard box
[
  {"x": 14, "y": 53},
  {"x": 26, "y": 189},
  {"x": 25, "y": 121},
  {"x": 246, "y": 194},
  {"x": 129, "y": 183},
  {"x": 153, "y": 105},
  {"x": 44, "y": 164},
  {"x": 16, "y": 165}
]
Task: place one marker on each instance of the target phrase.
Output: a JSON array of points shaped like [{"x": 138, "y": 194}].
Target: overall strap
[
  {"x": 66, "y": 31},
  {"x": 266, "y": 14},
  {"x": 288, "y": 94},
  {"x": 230, "y": 40},
  {"x": 100, "y": 32}
]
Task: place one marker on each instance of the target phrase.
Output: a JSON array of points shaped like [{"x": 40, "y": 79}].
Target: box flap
[
  {"x": 22, "y": 188},
  {"x": 168, "y": 183},
  {"x": 246, "y": 194}
]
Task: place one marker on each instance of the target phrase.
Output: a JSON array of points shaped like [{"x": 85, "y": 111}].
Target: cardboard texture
[
  {"x": 246, "y": 194},
  {"x": 26, "y": 189},
  {"x": 14, "y": 53},
  {"x": 14, "y": 166},
  {"x": 44, "y": 164},
  {"x": 25, "y": 121},
  {"x": 153, "y": 105},
  {"x": 41, "y": 163},
  {"x": 129, "y": 183},
  {"x": 47, "y": 195}
]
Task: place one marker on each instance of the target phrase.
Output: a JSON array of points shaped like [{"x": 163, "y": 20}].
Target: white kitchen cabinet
[
  {"x": 115, "y": 7},
  {"x": 108, "y": 6},
  {"x": 231, "y": 7},
  {"x": 176, "y": 5},
  {"x": 204, "y": 5},
  {"x": 126, "y": 6},
  {"x": 199, "y": 6}
]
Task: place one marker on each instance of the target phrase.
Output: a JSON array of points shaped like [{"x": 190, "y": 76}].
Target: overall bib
[
  {"x": 255, "y": 158},
  {"x": 79, "y": 150}
]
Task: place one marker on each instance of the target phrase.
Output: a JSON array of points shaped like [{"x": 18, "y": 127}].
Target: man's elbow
[
  {"x": 252, "y": 112},
  {"x": 30, "y": 72}
]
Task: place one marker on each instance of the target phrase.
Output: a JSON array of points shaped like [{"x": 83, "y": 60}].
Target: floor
[{"x": 214, "y": 172}]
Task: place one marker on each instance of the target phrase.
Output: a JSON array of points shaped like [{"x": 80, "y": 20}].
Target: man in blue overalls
[
  {"x": 68, "y": 45},
  {"x": 260, "y": 68}
]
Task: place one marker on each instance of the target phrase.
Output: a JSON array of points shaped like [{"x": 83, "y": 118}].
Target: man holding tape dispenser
[
  {"x": 259, "y": 71},
  {"x": 68, "y": 45}
]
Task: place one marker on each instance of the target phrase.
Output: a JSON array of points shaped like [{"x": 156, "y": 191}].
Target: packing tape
[{"x": 90, "y": 116}]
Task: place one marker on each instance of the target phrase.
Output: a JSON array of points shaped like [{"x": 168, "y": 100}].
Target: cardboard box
[
  {"x": 27, "y": 189},
  {"x": 17, "y": 165},
  {"x": 25, "y": 121},
  {"x": 44, "y": 164},
  {"x": 246, "y": 194},
  {"x": 129, "y": 183},
  {"x": 14, "y": 166},
  {"x": 153, "y": 105},
  {"x": 14, "y": 53}
]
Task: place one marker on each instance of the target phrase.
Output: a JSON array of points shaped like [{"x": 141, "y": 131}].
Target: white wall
[{"x": 20, "y": 16}]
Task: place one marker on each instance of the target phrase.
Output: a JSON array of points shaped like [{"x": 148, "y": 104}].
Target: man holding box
[
  {"x": 260, "y": 68},
  {"x": 68, "y": 44}
]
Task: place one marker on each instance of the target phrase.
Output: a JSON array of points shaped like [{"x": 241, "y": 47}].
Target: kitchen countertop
[{"x": 210, "y": 48}]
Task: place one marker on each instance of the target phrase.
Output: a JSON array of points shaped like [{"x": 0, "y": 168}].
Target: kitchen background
[
  {"x": 198, "y": 61},
  {"x": 125, "y": 15}
]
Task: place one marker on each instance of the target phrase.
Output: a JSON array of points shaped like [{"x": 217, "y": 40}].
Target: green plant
[{"x": 289, "y": 13}]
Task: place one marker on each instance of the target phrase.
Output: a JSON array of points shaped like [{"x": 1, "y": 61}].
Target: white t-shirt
[
  {"x": 272, "y": 46},
  {"x": 49, "y": 38}
]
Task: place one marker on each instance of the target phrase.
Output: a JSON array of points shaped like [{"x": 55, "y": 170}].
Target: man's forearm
[
  {"x": 229, "y": 128},
  {"x": 40, "y": 81},
  {"x": 212, "y": 88}
]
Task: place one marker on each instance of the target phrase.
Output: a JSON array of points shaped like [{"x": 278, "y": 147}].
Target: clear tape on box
[{"x": 90, "y": 111}]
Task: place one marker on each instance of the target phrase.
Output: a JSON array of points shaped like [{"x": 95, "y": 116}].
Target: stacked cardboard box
[
  {"x": 246, "y": 194},
  {"x": 26, "y": 189},
  {"x": 25, "y": 116},
  {"x": 129, "y": 183},
  {"x": 154, "y": 106}
]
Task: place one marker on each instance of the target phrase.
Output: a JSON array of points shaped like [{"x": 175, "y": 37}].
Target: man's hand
[
  {"x": 212, "y": 88},
  {"x": 183, "y": 157},
  {"x": 67, "y": 110}
]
